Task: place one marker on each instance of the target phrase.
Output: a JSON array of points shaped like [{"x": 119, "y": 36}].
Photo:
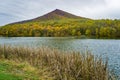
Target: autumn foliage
[{"x": 64, "y": 27}]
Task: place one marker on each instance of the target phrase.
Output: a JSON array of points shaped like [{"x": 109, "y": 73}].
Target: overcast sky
[{"x": 17, "y": 10}]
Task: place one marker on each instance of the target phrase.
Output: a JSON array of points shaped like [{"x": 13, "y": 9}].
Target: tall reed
[{"x": 60, "y": 65}]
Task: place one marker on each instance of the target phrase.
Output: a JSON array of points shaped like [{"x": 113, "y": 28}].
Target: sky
[{"x": 18, "y": 10}]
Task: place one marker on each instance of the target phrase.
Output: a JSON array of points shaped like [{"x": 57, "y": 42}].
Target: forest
[{"x": 104, "y": 28}]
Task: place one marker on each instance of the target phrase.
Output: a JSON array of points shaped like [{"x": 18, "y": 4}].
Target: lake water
[{"x": 109, "y": 48}]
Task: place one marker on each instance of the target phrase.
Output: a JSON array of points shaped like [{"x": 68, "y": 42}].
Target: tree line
[{"x": 62, "y": 28}]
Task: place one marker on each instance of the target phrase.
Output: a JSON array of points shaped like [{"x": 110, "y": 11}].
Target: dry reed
[{"x": 60, "y": 65}]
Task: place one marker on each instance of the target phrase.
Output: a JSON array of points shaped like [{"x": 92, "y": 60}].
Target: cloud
[{"x": 17, "y": 10}]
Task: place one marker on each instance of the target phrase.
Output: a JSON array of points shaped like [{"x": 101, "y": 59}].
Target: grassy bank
[
  {"x": 50, "y": 64},
  {"x": 11, "y": 70}
]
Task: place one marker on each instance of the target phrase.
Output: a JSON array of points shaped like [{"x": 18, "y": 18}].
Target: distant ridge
[{"x": 57, "y": 14}]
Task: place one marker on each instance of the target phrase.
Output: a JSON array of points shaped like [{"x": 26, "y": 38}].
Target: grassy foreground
[
  {"x": 17, "y": 63},
  {"x": 11, "y": 70}
]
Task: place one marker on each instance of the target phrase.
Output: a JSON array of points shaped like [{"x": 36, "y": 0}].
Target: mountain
[
  {"x": 59, "y": 23},
  {"x": 57, "y": 14},
  {"x": 54, "y": 15}
]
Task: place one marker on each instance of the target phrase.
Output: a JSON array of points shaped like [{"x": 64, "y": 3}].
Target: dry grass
[{"x": 59, "y": 65}]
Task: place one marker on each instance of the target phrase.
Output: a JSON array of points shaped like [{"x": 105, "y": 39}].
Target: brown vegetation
[{"x": 59, "y": 65}]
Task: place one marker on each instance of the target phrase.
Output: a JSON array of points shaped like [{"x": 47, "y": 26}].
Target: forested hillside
[{"x": 63, "y": 25}]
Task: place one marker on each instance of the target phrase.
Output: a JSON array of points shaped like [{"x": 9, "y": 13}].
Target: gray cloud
[{"x": 17, "y": 10}]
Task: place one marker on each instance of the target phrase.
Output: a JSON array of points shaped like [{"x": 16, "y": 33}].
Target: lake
[{"x": 109, "y": 48}]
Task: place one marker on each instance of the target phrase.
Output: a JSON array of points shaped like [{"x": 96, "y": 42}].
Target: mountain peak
[
  {"x": 57, "y": 10},
  {"x": 57, "y": 14}
]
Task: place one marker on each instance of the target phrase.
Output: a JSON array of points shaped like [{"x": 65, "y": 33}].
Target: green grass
[
  {"x": 50, "y": 64},
  {"x": 6, "y": 76},
  {"x": 11, "y": 70}
]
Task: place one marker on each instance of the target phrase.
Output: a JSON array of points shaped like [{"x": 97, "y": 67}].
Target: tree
[
  {"x": 97, "y": 33},
  {"x": 88, "y": 33}
]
